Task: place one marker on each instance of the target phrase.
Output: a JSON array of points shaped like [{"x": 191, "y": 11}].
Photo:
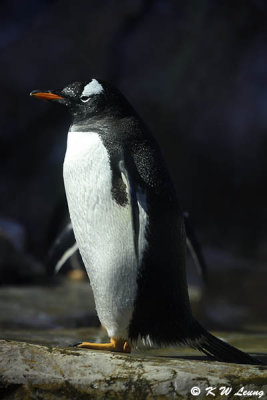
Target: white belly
[{"x": 103, "y": 230}]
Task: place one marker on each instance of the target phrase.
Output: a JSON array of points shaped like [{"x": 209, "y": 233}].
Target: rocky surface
[
  {"x": 65, "y": 304},
  {"x": 41, "y": 372},
  {"x": 39, "y": 324}
]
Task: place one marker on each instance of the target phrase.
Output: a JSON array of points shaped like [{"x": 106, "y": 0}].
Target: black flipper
[
  {"x": 194, "y": 246},
  {"x": 63, "y": 248},
  {"x": 222, "y": 351}
]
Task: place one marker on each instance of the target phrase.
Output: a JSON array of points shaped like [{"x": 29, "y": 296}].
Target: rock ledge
[{"x": 29, "y": 371}]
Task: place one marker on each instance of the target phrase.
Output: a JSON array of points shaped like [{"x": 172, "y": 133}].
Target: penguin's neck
[
  {"x": 90, "y": 124},
  {"x": 84, "y": 117}
]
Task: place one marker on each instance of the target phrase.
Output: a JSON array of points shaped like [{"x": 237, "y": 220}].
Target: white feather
[
  {"x": 68, "y": 253},
  {"x": 103, "y": 230},
  {"x": 94, "y": 87},
  {"x": 143, "y": 220}
]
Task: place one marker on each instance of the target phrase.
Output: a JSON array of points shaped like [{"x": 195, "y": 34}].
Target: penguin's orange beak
[{"x": 45, "y": 95}]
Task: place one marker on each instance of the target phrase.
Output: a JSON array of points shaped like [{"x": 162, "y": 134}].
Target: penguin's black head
[{"x": 87, "y": 99}]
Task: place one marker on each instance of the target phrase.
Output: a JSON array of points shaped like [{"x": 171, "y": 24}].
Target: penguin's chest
[{"x": 103, "y": 228}]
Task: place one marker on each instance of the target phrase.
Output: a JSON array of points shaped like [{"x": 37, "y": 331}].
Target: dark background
[{"x": 196, "y": 71}]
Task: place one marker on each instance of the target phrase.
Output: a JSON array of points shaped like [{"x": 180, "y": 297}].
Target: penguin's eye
[{"x": 84, "y": 98}]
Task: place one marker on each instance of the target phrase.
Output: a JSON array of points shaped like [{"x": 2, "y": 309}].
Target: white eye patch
[
  {"x": 93, "y": 87},
  {"x": 84, "y": 98}
]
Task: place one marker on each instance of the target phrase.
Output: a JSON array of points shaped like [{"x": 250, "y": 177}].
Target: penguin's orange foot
[{"x": 116, "y": 345}]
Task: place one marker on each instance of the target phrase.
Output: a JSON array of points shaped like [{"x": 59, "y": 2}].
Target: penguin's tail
[{"x": 222, "y": 351}]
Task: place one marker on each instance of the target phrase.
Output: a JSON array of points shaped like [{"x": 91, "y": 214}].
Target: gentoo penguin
[{"x": 128, "y": 225}]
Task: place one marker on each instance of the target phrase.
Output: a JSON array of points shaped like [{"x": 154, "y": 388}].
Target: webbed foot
[{"x": 116, "y": 345}]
